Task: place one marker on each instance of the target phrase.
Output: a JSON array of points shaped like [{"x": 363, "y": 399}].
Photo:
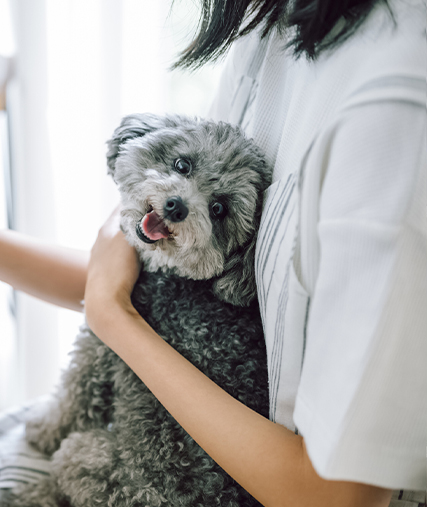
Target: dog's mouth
[{"x": 151, "y": 228}]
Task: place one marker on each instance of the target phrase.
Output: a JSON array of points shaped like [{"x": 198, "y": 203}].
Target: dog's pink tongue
[{"x": 154, "y": 227}]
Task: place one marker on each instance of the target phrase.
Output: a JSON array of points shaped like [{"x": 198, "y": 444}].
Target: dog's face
[{"x": 191, "y": 198}]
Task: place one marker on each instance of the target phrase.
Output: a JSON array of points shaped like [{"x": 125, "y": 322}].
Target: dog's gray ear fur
[
  {"x": 134, "y": 125},
  {"x": 237, "y": 284}
]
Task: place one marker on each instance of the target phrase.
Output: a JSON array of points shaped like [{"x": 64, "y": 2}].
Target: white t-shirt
[{"x": 341, "y": 258}]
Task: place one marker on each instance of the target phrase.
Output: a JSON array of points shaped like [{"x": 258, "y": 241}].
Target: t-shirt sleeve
[{"x": 362, "y": 401}]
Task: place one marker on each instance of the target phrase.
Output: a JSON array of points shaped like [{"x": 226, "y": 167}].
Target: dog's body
[{"x": 191, "y": 195}]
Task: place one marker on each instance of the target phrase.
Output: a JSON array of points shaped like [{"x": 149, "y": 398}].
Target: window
[{"x": 80, "y": 66}]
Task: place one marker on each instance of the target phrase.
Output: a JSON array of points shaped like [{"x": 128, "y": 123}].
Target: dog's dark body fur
[{"x": 113, "y": 443}]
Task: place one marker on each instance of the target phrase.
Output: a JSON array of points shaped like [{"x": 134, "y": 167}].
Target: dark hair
[{"x": 224, "y": 21}]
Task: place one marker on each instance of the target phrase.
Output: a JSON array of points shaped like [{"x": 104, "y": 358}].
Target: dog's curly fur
[{"x": 112, "y": 443}]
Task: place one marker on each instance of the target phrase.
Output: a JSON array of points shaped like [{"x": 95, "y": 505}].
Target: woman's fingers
[{"x": 113, "y": 270}]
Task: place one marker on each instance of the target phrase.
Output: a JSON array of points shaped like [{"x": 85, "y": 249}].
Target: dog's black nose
[{"x": 175, "y": 210}]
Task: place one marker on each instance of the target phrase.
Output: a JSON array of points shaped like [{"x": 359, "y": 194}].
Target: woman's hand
[
  {"x": 267, "y": 459},
  {"x": 113, "y": 270}
]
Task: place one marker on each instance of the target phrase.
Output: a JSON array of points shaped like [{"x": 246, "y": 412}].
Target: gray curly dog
[{"x": 191, "y": 195}]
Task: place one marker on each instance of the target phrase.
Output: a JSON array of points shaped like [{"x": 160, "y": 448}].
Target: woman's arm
[
  {"x": 265, "y": 458},
  {"x": 49, "y": 272}
]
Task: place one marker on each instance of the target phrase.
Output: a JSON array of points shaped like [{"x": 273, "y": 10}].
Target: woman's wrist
[{"x": 105, "y": 309}]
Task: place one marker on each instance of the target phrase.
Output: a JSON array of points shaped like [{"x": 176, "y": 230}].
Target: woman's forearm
[
  {"x": 49, "y": 272},
  {"x": 268, "y": 460}
]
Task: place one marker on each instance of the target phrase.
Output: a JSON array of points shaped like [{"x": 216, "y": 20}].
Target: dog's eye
[
  {"x": 218, "y": 210},
  {"x": 182, "y": 166}
]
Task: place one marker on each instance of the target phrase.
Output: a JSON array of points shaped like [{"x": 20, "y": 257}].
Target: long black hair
[{"x": 223, "y": 21}]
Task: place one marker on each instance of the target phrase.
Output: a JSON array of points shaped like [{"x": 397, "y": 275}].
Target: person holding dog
[{"x": 334, "y": 93}]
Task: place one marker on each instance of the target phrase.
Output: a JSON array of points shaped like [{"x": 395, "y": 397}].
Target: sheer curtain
[
  {"x": 8, "y": 342},
  {"x": 80, "y": 65}
]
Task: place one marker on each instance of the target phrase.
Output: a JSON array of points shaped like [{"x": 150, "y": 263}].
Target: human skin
[
  {"x": 268, "y": 460},
  {"x": 53, "y": 273}
]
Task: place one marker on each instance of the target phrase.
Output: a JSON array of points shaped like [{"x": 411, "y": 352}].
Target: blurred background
[{"x": 69, "y": 70}]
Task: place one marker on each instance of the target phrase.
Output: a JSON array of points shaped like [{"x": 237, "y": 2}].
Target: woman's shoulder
[{"x": 389, "y": 43}]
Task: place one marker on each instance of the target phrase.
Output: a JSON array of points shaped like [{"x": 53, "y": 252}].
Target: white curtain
[
  {"x": 80, "y": 65},
  {"x": 8, "y": 341}
]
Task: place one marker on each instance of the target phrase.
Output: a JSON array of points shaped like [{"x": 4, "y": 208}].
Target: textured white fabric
[
  {"x": 19, "y": 462},
  {"x": 342, "y": 251}
]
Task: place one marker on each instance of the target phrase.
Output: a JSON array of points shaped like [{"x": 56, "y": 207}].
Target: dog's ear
[
  {"x": 237, "y": 283},
  {"x": 134, "y": 125}
]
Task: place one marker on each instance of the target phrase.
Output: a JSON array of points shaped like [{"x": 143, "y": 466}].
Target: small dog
[{"x": 191, "y": 194}]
